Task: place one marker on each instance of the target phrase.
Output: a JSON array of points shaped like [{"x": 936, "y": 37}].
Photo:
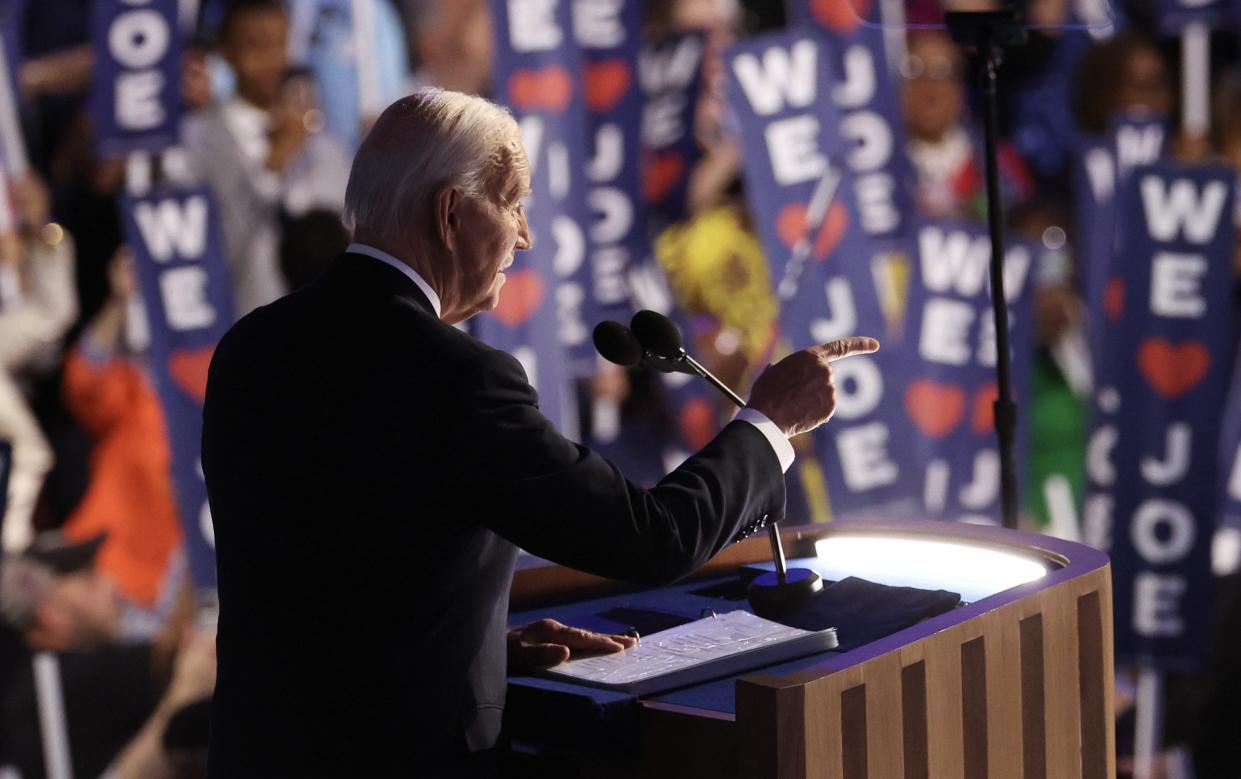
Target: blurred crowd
[{"x": 93, "y": 576}]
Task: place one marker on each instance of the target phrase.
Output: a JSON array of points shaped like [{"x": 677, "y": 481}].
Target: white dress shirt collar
[{"x": 388, "y": 259}]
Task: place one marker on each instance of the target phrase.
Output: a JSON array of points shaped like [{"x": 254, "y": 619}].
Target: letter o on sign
[
  {"x": 1150, "y": 515},
  {"x": 859, "y": 387},
  {"x": 138, "y": 39}
]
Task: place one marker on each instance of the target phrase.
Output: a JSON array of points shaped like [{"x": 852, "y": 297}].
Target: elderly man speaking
[{"x": 372, "y": 471}]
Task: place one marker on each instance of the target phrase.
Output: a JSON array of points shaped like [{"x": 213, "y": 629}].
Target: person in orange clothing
[{"x": 130, "y": 495}]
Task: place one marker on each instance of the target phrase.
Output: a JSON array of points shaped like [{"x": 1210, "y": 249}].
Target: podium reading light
[{"x": 976, "y": 572}]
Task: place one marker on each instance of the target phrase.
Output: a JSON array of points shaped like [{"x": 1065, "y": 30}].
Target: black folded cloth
[{"x": 863, "y": 611}]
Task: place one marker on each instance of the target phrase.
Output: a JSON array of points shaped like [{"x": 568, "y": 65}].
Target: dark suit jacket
[{"x": 371, "y": 473}]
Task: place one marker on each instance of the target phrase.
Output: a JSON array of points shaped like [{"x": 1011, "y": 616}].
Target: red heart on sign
[
  {"x": 839, "y": 15},
  {"x": 936, "y": 409},
  {"x": 791, "y": 223},
  {"x": 549, "y": 88},
  {"x": 189, "y": 370},
  {"x": 697, "y": 423},
  {"x": 1173, "y": 369},
  {"x": 520, "y": 297},
  {"x": 983, "y": 419},
  {"x": 835, "y": 222},
  {"x": 606, "y": 83},
  {"x": 660, "y": 173},
  {"x": 791, "y": 227},
  {"x": 1114, "y": 298}
]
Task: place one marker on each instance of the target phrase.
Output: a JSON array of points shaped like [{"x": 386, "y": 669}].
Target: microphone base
[{"x": 772, "y": 598}]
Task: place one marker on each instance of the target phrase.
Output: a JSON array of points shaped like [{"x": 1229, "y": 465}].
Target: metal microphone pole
[
  {"x": 990, "y": 32},
  {"x": 773, "y": 530},
  {"x": 702, "y": 371}
]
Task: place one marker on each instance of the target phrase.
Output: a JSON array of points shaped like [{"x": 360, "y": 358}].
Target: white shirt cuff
[{"x": 775, "y": 436}]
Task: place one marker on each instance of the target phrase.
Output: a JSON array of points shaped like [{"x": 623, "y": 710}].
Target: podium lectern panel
[{"x": 1016, "y": 684}]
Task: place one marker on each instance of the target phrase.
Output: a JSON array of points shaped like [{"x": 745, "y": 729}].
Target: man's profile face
[{"x": 492, "y": 229}]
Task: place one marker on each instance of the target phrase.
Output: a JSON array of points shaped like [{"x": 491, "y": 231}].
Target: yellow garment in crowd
[{"x": 715, "y": 266}]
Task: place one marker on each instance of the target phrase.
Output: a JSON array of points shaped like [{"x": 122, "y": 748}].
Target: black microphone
[
  {"x": 657, "y": 334},
  {"x": 615, "y": 343},
  {"x": 661, "y": 341}
]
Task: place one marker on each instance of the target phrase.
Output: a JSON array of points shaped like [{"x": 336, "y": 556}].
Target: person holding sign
[
  {"x": 943, "y": 148},
  {"x": 261, "y": 152},
  {"x": 372, "y": 471},
  {"x": 130, "y": 496},
  {"x": 38, "y": 303}
]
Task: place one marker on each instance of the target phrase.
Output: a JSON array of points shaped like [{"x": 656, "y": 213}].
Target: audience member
[
  {"x": 172, "y": 743},
  {"x": 945, "y": 148},
  {"x": 53, "y": 596},
  {"x": 262, "y": 151},
  {"x": 322, "y": 36},
  {"x": 1124, "y": 75},
  {"x": 130, "y": 495},
  {"x": 38, "y": 303},
  {"x": 719, "y": 274},
  {"x": 455, "y": 46}
]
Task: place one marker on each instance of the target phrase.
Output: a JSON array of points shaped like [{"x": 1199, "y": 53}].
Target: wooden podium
[{"x": 1017, "y": 684}]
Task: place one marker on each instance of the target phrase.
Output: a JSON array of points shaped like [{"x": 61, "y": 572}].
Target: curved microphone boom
[{"x": 661, "y": 342}]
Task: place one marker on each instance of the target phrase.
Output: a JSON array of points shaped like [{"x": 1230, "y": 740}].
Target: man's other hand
[
  {"x": 797, "y": 393},
  {"x": 547, "y": 642}
]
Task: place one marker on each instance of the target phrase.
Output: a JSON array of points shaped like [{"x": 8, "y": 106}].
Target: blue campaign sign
[
  {"x": 800, "y": 193},
  {"x": 179, "y": 258},
  {"x": 670, "y": 73},
  {"x": 949, "y": 375},
  {"x": 1100, "y": 169},
  {"x": 778, "y": 88},
  {"x": 608, "y": 33},
  {"x": 12, "y": 17},
  {"x": 870, "y": 118},
  {"x": 135, "y": 101},
  {"x": 1152, "y": 456},
  {"x": 538, "y": 76},
  {"x": 1094, "y": 194},
  {"x": 1173, "y": 16}
]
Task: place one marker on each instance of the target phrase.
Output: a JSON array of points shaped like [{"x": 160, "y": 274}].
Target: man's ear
[{"x": 447, "y": 205}]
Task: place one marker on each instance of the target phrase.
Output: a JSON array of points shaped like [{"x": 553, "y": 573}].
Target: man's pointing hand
[{"x": 798, "y": 393}]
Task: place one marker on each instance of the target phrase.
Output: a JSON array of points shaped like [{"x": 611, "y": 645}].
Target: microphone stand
[
  {"x": 702, "y": 371},
  {"x": 990, "y": 32},
  {"x": 769, "y": 598}
]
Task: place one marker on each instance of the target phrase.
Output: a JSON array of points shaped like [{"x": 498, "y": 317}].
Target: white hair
[{"x": 420, "y": 143}]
